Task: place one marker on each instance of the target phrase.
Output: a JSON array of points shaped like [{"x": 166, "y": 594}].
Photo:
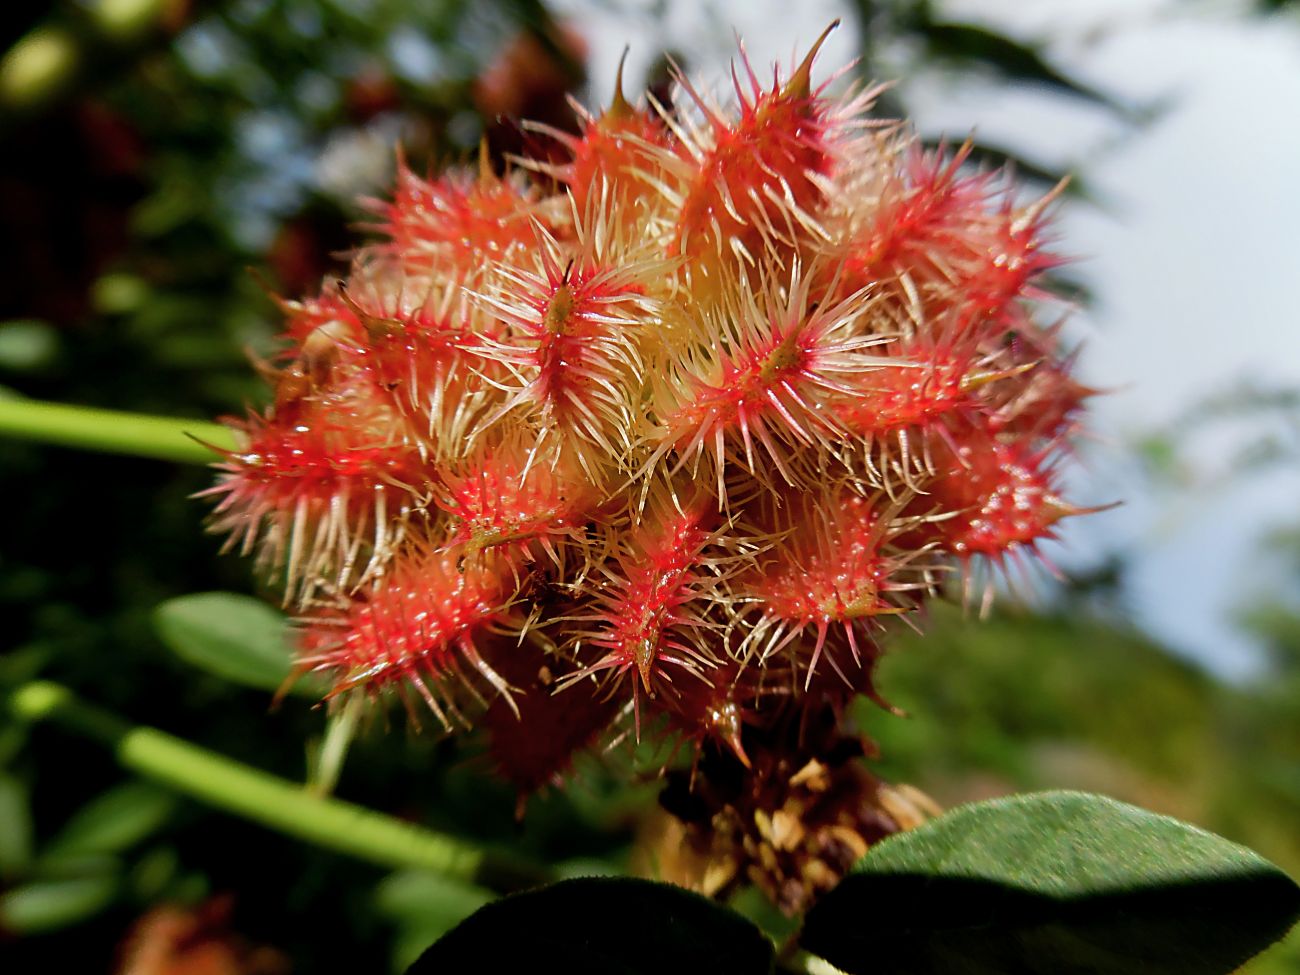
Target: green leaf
[
  {"x": 417, "y": 895},
  {"x": 153, "y": 873},
  {"x": 602, "y": 926},
  {"x": 112, "y": 822},
  {"x": 118, "y": 294},
  {"x": 409, "y": 942},
  {"x": 235, "y": 637},
  {"x": 1057, "y": 882},
  {"x": 47, "y": 905},
  {"x": 15, "y": 827},
  {"x": 27, "y": 345},
  {"x": 1012, "y": 59}
]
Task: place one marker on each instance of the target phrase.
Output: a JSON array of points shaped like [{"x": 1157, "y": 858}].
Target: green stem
[
  {"x": 323, "y": 776},
  {"x": 161, "y": 438},
  {"x": 274, "y": 802}
]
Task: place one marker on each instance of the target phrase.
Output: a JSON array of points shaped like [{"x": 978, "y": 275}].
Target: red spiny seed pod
[
  {"x": 739, "y": 187},
  {"x": 613, "y": 157},
  {"x": 508, "y": 496},
  {"x": 925, "y": 216},
  {"x": 920, "y": 384},
  {"x": 712, "y": 710},
  {"x": 304, "y": 317},
  {"x": 998, "y": 499},
  {"x": 572, "y": 340},
  {"x": 412, "y": 349},
  {"x": 1044, "y": 402},
  {"x": 647, "y": 607},
  {"x": 414, "y": 631},
  {"x": 459, "y": 223},
  {"x": 920, "y": 401},
  {"x": 1002, "y": 263},
  {"x": 949, "y": 247},
  {"x": 714, "y": 713},
  {"x": 832, "y": 566},
  {"x": 533, "y": 743},
  {"x": 660, "y": 437},
  {"x": 323, "y": 494},
  {"x": 756, "y": 387}
]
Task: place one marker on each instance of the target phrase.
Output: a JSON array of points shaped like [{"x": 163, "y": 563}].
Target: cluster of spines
[{"x": 666, "y": 432}]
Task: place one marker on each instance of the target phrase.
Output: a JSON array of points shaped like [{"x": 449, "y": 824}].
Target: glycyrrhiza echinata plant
[{"x": 658, "y": 439}]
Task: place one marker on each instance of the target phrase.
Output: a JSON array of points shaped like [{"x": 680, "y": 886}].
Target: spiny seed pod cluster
[{"x": 656, "y": 439}]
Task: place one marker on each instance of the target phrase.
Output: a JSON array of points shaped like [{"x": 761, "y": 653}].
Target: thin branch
[
  {"x": 114, "y": 432},
  {"x": 275, "y": 803}
]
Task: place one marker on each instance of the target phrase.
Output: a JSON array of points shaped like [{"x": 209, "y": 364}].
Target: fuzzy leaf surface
[{"x": 1056, "y": 882}]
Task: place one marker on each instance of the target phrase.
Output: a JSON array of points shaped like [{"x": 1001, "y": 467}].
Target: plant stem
[
  {"x": 274, "y": 802},
  {"x": 323, "y": 775},
  {"x": 161, "y": 438}
]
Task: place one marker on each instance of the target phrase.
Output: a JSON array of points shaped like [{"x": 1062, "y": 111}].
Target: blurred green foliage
[{"x": 1022, "y": 702}]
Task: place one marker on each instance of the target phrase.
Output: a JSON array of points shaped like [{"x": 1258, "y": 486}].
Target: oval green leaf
[
  {"x": 47, "y": 905},
  {"x": 112, "y": 822},
  {"x": 424, "y": 906},
  {"x": 412, "y": 896},
  {"x": 602, "y": 926},
  {"x": 15, "y": 827},
  {"x": 235, "y": 637},
  {"x": 1015, "y": 61},
  {"x": 1058, "y": 882},
  {"x": 27, "y": 345}
]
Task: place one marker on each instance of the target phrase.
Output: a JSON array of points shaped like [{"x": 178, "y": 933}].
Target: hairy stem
[
  {"x": 111, "y": 431},
  {"x": 274, "y": 802}
]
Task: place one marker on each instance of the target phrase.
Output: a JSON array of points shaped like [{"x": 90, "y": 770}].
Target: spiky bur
[
  {"x": 612, "y": 161},
  {"x": 662, "y": 439},
  {"x": 831, "y": 575},
  {"x": 532, "y": 738},
  {"x": 458, "y": 224},
  {"x": 646, "y": 621},
  {"x": 751, "y": 386},
  {"x": 572, "y": 340},
  {"x": 743, "y": 188},
  {"x": 417, "y": 630},
  {"x": 323, "y": 495},
  {"x": 507, "y": 498}
]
